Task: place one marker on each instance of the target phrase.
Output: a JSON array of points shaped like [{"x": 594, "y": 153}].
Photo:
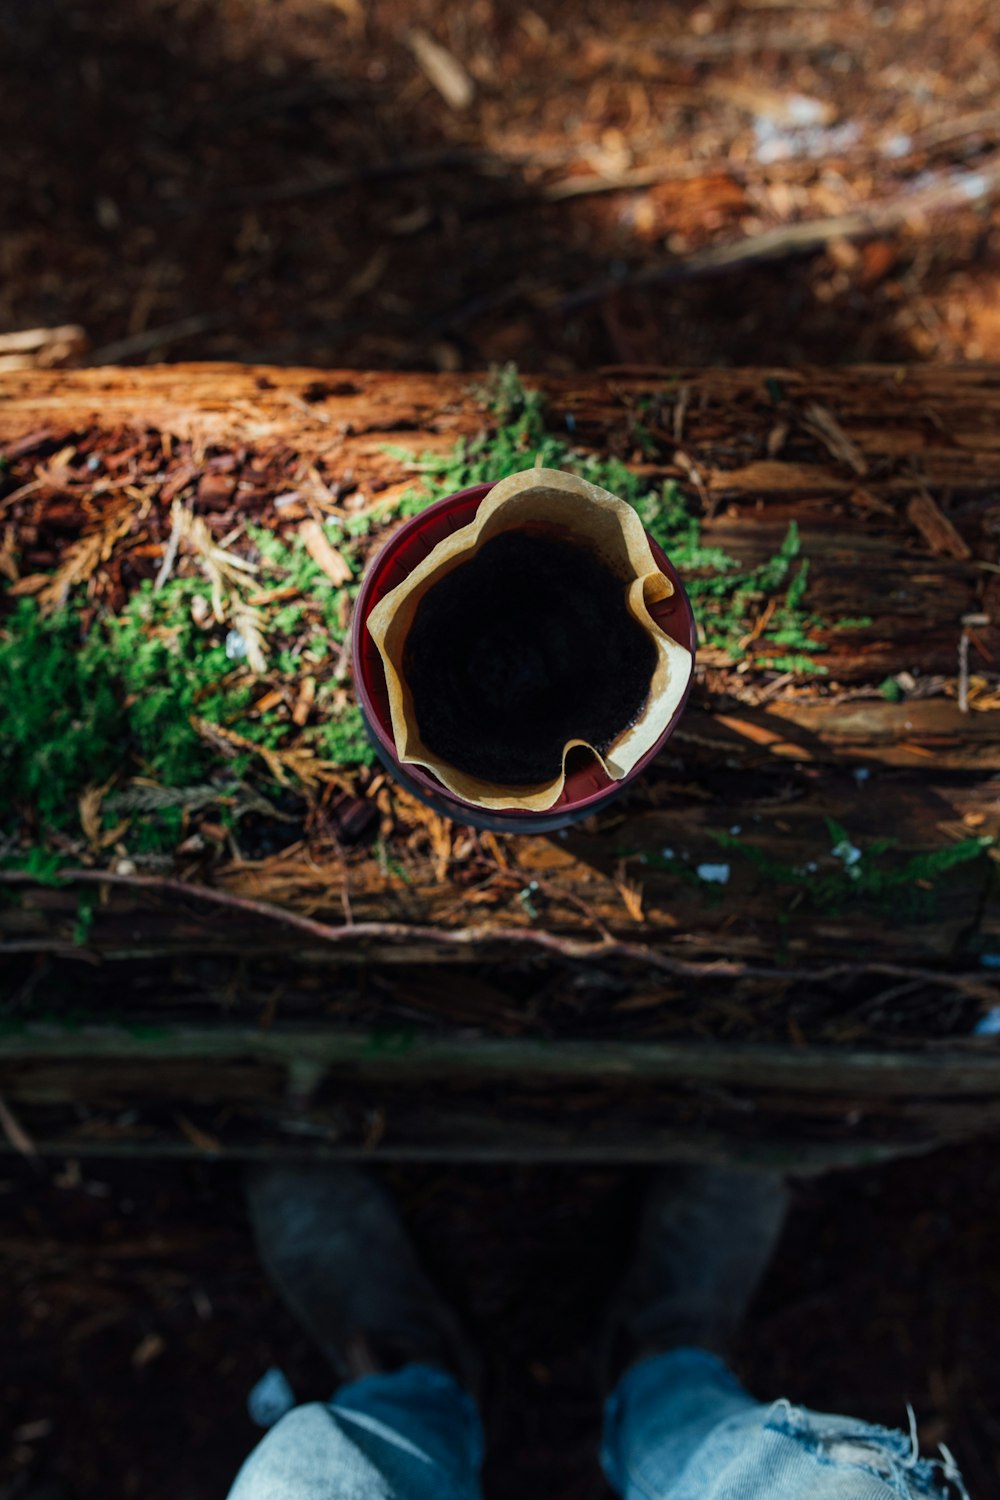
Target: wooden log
[
  {"x": 893, "y": 478},
  {"x": 225, "y": 1090},
  {"x": 751, "y": 441}
]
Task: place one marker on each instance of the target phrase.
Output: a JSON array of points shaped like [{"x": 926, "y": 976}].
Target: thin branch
[
  {"x": 15, "y": 1133},
  {"x": 31, "y": 945},
  {"x": 575, "y": 949},
  {"x": 342, "y": 177},
  {"x": 953, "y": 191},
  {"x": 155, "y": 338}
]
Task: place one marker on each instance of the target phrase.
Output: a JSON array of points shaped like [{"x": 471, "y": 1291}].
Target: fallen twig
[
  {"x": 15, "y": 1133},
  {"x": 342, "y": 177},
  {"x": 953, "y": 191},
  {"x": 155, "y": 338},
  {"x": 574, "y": 949}
]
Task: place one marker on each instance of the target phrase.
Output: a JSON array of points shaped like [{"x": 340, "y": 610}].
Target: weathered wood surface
[
  {"x": 761, "y": 451},
  {"x": 755, "y": 444},
  {"x": 227, "y": 1090},
  {"x": 893, "y": 476}
]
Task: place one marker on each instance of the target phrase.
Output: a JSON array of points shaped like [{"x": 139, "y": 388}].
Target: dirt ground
[
  {"x": 298, "y": 181},
  {"x": 305, "y": 181},
  {"x": 137, "y": 1318}
]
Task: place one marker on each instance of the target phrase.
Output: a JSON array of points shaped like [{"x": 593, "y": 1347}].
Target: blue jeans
[{"x": 678, "y": 1427}]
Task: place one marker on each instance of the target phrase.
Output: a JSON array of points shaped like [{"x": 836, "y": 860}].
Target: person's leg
[
  {"x": 678, "y": 1426},
  {"x": 404, "y": 1426},
  {"x": 410, "y": 1435}
]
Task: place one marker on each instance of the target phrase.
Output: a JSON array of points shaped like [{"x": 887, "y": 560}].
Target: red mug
[{"x": 587, "y": 787}]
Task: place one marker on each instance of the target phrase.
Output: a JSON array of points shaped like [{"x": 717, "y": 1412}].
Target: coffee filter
[{"x": 571, "y": 508}]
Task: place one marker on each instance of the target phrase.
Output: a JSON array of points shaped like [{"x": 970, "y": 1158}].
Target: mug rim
[{"x": 368, "y": 597}]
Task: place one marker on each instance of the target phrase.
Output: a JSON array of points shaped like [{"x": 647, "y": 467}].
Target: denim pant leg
[
  {"x": 680, "y": 1427},
  {"x": 412, "y": 1435}
]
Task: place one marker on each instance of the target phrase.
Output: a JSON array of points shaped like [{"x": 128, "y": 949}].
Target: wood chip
[
  {"x": 324, "y": 553},
  {"x": 42, "y": 348},
  {"x": 200, "y": 1139},
  {"x": 821, "y": 422},
  {"x": 492, "y": 844},
  {"x": 33, "y": 584},
  {"x": 305, "y": 700},
  {"x": 353, "y": 13},
  {"x": 442, "y": 69},
  {"x": 631, "y": 894},
  {"x": 8, "y": 555},
  {"x": 791, "y": 111},
  {"x": 268, "y": 701},
  {"x": 935, "y": 528},
  {"x": 215, "y": 491},
  {"x": 14, "y": 1131},
  {"x": 148, "y": 1349},
  {"x": 89, "y": 803}
]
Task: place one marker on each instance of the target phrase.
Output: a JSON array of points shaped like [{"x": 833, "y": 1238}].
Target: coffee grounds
[{"x": 524, "y": 647}]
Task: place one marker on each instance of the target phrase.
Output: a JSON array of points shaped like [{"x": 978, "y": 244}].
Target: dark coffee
[{"x": 524, "y": 647}]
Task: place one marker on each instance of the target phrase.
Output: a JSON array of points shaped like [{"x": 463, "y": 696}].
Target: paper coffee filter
[{"x": 590, "y": 516}]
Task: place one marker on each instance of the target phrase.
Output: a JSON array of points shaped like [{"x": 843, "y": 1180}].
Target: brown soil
[
  {"x": 224, "y": 179},
  {"x": 137, "y": 1316}
]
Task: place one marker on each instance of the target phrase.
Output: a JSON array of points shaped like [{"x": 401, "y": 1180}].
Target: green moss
[
  {"x": 43, "y": 865},
  {"x": 867, "y": 870},
  {"x": 63, "y": 721},
  {"x": 82, "y": 708},
  {"x": 84, "y": 921},
  {"x": 344, "y": 739},
  {"x": 171, "y": 671}
]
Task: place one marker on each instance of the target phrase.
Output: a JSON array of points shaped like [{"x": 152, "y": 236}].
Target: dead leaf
[
  {"x": 438, "y": 830},
  {"x": 935, "y": 528},
  {"x": 761, "y": 623},
  {"x": 81, "y": 560},
  {"x": 631, "y": 894},
  {"x": 630, "y": 891},
  {"x": 758, "y": 733},
  {"x": 201, "y": 1139},
  {"x": 865, "y": 501},
  {"x": 324, "y": 553},
  {"x": 246, "y": 620},
  {"x": 771, "y": 474},
  {"x": 776, "y": 438},
  {"x": 8, "y": 555},
  {"x": 353, "y": 13},
  {"x": 148, "y": 1349},
  {"x": 367, "y": 278},
  {"x": 89, "y": 803},
  {"x": 644, "y": 1000},
  {"x": 490, "y": 842},
  {"x": 42, "y": 348},
  {"x": 16, "y": 1135},
  {"x": 790, "y": 111},
  {"x": 821, "y": 422},
  {"x": 301, "y": 762},
  {"x": 270, "y": 700},
  {"x": 442, "y": 69},
  {"x": 32, "y": 584},
  {"x": 304, "y": 702}
]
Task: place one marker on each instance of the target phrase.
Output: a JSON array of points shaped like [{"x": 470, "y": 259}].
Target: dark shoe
[
  {"x": 705, "y": 1239},
  {"x": 333, "y": 1245}
]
